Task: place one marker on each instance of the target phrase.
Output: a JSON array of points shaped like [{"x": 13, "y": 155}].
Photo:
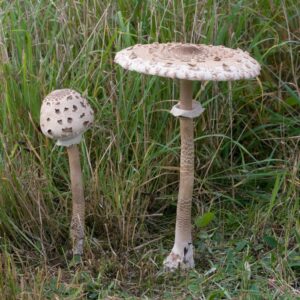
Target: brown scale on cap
[
  {"x": 67, "y": 129},
  {"x": 133, "y": 55},
  {"x": 226, "y": 68}
]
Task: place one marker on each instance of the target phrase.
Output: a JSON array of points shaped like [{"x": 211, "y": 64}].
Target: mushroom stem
[
  {"x": 181, "y": 255},
  {"x": 183, "y": 232},
  {"x": 78, "y": 205}
]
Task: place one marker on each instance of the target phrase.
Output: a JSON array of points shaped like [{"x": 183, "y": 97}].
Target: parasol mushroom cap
[
  {"x": 65, "y": 116},
  {"x": 189, "y": 61}
]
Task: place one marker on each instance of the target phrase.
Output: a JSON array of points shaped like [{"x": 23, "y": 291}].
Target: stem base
[{"x": 181, "y": 257}]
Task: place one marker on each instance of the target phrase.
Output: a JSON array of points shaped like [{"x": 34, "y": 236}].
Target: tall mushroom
[
  {"x": 187, "y": 62},
  {"x": 65, "y": 116}
]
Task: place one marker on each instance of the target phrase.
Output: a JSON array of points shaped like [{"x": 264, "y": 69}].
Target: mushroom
[
  {"x": 187, "y": 62},
  {"x": 65, "y": 116}
]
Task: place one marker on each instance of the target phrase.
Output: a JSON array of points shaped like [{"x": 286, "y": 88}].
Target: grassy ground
[{"x": 246, "y": 196}]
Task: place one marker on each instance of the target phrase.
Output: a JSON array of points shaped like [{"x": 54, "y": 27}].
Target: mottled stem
[
  {"x": 183, "y": 220},
  {"x": 78, "y": 205}
]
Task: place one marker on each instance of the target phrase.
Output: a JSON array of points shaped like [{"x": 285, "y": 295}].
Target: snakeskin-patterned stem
[
  {"x": 183, "y": 220},
  {"x": 78, "y": 205},
  {"x": 181, "y": 255}
]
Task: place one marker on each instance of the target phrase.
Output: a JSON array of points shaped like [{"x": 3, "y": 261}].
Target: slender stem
[
  {"x": 78, "y": 205},
  {"x": 183, "y": 233},
  {"x": 186, "y": 94}
]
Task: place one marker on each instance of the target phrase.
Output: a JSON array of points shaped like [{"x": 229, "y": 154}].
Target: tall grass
[{"x": 247, "y": 157}]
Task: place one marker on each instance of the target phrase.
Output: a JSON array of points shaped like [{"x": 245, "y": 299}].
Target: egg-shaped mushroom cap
[
  {"x": 189, "y": 61},
  {"x": 65, "y": 116}
]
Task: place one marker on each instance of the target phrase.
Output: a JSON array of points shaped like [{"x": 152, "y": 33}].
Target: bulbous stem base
[{"x": 181, "y": 257}]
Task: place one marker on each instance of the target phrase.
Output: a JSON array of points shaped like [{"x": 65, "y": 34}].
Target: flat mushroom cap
[
  {"x": 65, "y": 116},
  {"x": 189, "y": 61}
]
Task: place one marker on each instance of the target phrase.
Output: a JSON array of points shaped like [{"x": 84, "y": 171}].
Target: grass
[{"x": 246, "y": 196}]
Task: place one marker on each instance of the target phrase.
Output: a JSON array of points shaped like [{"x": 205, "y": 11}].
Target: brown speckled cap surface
[
  {"x": 65, "y": 116},
  {"x": 189, "y": 61}
]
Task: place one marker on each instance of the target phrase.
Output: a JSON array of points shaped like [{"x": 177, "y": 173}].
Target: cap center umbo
[{"x": 187, "y": 52}]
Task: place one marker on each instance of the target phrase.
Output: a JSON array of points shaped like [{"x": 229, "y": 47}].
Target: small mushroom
[
  {"x": 66, "y": 126},
  {"x": 187, "y": 62}
]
